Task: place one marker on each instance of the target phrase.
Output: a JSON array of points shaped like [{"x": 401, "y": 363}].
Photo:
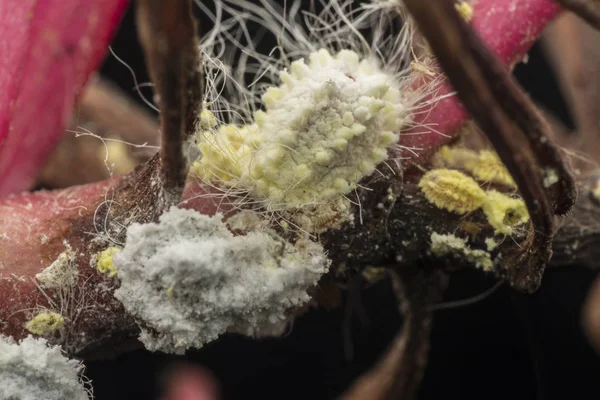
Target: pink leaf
[{"x": 49, "y": 49}]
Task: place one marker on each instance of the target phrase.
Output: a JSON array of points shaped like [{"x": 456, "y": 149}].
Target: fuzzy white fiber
[
  {"x": 33, "y": 370},
  {"x": 188, "y": 279}
]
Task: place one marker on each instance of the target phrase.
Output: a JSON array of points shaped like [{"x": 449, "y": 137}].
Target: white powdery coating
[
  {"x": 442, "y": 245},
  {"x": 33, "y": 370},
  {"x": 187, "y": 279},
  {"x": 327, "y": 126}
]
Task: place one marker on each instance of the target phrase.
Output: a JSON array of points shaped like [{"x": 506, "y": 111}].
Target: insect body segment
[{"x": 452, "y": 190}]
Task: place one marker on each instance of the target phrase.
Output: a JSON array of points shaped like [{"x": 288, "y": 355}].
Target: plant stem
[
  {"x": 586, "y": 9},
  {"x": 399, "y": 372},
  {"x": 168, "y": 34}
]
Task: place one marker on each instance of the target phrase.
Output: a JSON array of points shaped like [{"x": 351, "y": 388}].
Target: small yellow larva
[
  {"x": 484, "y": 166},
  {"x": 45, "y": 323},
  {"x": 465, "y": 10},
  {"x": 452, "y": 190},
  {"x": 489, "y": 168},
  {"x": 504, "y": 213}
]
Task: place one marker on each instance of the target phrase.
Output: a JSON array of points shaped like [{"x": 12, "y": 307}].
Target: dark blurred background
[{"x": 507, "y": 346}]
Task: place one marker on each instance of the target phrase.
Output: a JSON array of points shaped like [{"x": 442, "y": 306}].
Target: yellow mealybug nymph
[
  {"x": 504, "y": 213},
  {"x": 104, "y": 261},
  {"x": 45, "y": 323},
  {"x": 116, "y": 157},
  {"x": 225, "y": 153},
  {"x": 488, "y": 167},
  {"x": 465, "y": 10},
  {"x": 452, "y": 190},
  {"x": 453, "y": 157},
  {"x": 485, "y": 165}
]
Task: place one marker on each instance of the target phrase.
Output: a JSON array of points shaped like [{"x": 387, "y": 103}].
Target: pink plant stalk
[
  {"x": 49, "y": 50},
  {"x": 33, "y": 226},
  {"x": 509, "y": 27}
]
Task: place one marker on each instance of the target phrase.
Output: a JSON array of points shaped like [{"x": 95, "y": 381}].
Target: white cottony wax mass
[
  {"x": 188, "y": 279},
  {"x": 34, "y": 370}
]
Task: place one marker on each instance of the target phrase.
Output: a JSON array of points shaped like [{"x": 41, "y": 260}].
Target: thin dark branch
[
  {"x": 399, "y": 372},
  {"x": 586, "y": 9},
  {"x": 577, "y": 241},
  {"x": 572, "y": 48},
  {"x": 511, "y": 122},
  {"x": 168, "y": 35}
]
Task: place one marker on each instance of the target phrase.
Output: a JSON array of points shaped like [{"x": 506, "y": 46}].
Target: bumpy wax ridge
[{"x": 325, "y": 127}]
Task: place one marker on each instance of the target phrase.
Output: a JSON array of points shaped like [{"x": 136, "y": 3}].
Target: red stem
[
  {"x": 509, "y": 27},
  {"x": 49, "y": 50}
]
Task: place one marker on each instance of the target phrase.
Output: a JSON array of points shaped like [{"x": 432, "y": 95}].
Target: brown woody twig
[
  {"x": 586, "y": 9},
  {"x": 398, "y": 374},
  {"x": 168, "y": 34},
  {"x": 572, "y": 47}
]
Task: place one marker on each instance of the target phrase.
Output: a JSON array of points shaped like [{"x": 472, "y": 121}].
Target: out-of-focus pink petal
[
  {"x": 509, "y": 28},
  {"x": 191, "y": 383},
  {"x": 49, "y": 49}
]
